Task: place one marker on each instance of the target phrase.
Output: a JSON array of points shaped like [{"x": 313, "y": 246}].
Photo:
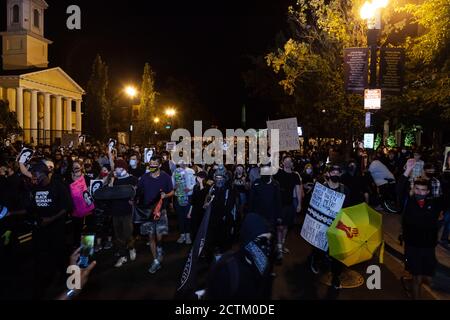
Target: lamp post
[
  {"x": 371, "y": 12},
  {"x": 131, "y": 92}
]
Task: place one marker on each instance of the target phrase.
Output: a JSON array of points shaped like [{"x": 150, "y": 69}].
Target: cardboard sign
[
  {"x": 170, "y": 146},
  {"x": 288, "y": 130},
  {"x": 323, "y": 208}
]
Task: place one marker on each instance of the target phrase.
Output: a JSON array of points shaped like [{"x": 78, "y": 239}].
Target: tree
[
  {"x": 8, "y": 120},
  {"x": 98, "y": 109},
  {"x": 310, "y": 66},
  {"x": 148, "y": 93}
]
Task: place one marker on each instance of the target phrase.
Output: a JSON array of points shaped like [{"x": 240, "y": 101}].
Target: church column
[
  {"x": 47, "y": 118},
  {"x": 34, "y": 116},
  {"x": 78, "y": 112},
  {"x": 58, "y": 127},
  {"x": 69, "y": 114},
  {"x": 19, "y": 106}
]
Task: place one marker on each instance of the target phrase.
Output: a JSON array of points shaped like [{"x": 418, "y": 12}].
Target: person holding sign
[{"x": 333, "y": 182}]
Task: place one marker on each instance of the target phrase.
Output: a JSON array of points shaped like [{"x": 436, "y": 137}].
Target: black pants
[
  {"x": 50, "y": 256},
  {"x": 82, "y": 225},
  {"x": 322, "y": 258}
]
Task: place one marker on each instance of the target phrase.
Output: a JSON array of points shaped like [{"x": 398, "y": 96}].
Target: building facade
[{"x": 46, "y": 101}]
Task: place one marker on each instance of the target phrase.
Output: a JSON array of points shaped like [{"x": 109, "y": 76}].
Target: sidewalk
[{"x": 440, "y": 287}]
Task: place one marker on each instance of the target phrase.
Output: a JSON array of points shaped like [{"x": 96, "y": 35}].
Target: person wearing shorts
[{"x": 152, "y": 187}]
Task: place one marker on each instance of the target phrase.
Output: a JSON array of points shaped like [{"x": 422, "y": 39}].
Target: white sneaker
[
  {"x": 154, "y": 267},
  {"x": 286, "y": 250},
  {"x": 188, "y": 238},
  {"x": 133, "y": 254},
  {"x": 182, "y": 238},
  {"x": 121, "y": 262}
]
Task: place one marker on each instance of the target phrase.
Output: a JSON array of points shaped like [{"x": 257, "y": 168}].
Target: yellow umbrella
[{"x": 355, "y": 235}]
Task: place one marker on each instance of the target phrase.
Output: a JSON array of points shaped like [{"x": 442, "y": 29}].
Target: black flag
[{"x": 188, "y": 280}]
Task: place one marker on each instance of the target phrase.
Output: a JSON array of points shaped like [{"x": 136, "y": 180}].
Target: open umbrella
[{"x": 355, "y": 234}]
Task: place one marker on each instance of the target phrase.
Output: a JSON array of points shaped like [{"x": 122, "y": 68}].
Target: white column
[
  {"x": 47, "y": 118},
  {"x": 34, "y": 115},
  {"x": 19, "y": 106},
  {"x": 78, "y": 111},
  {"x": 58, "y": 116},
  {"x": 69, "y": 114}
]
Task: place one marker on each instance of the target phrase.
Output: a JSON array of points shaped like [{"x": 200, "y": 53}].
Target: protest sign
[
  {"x": 25, "y": 155},
  {"x": 83, "y": 204},
  {"x": 288, "y": 133},
  {"x": 95, "y": 185}
]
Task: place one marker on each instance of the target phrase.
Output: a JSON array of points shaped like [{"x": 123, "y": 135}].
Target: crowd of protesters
[{"x": 248, "y": 206}]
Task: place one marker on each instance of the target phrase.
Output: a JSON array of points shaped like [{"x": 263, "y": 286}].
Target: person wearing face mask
[
  {"x": 223, "y": 211},
  {"x": 121, "y": 211},
  {"x": 356, "y": 184},
  {"x": 152, "y": 187},
  {"x": 420, "y": 228},
  {"x": 183, "y": 181},
  {"x": 197, "y": 210},
  {"x": 332, "y": 181},
  {"x": 430, "y": 174},
  {"x": 244, "y": 274},
  {"x": 49, "y": 201},
  {"x": 308, "y": 180},
  {"x": 80, "y": 223},
  {"x": 135, "y": 168},
  {"x": 265, "y": 197},
  {"x": 240, "y": 184},
  {"x": 290, "y": 182}
]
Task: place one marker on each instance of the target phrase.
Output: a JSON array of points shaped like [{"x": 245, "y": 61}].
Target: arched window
[
  {"x": 36, "y": 18},
  {"x": 15, "y": 15}
]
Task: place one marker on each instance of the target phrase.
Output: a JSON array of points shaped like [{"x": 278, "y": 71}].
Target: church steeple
[{"x": 24, "y": 45}]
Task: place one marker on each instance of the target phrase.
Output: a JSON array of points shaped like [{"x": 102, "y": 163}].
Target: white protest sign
[
  {"x": 111, "y": 144},
  {"x": 170, "y": 146},
  {"x": 288, "y": 131},
  {"x": 323, "y": 208},
  {"x": 25, "y": 155}
]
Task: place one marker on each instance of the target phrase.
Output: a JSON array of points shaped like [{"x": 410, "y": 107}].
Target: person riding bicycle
[{"x": 385, "y": 182}]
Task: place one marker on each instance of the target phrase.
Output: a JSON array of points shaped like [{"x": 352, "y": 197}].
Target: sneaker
[
  {"x": 121, "y": 262},
  {"x": 182, "y": 238},
  {"x": 133, "y": 254},
  {"x": 156, "y": 265},
  {"x": 188, "y": 238},
  {"x": 285, "y": 250},
  {"x": 159, "y": 254},
  {"x": 337, "y": 286},
  {"x": 314, "y": 269},
  {"x": 98, "y": 248},
  {"x": 108, "y": 245}
]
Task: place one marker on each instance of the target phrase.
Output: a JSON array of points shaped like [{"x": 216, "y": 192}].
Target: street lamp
[
  {"x": 131, "y": 92},
  {"x": 156, "y": 120},
  {"x": 170, "y": 112}
]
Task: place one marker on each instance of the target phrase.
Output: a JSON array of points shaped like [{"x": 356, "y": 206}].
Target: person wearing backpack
[{"x": 244, "y": 274}]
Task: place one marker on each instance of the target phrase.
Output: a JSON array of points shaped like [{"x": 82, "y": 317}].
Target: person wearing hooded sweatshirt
[
  {"x": 244, "y": 274},
  {"x": 121, "y": 211}
]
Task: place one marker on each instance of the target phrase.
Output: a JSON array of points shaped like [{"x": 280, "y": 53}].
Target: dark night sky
[{"x": 204, "y": 43}]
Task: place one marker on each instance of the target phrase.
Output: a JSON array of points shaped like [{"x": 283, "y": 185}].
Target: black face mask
[{"x": 335, "y": 179}]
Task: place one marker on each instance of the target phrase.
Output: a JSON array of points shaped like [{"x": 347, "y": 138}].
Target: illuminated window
[
  {"x": 36, "y": 18},
  {"x": 15, "y": 14}
]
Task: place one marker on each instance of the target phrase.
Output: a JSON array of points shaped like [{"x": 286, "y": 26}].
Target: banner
[
  {"x": 83, "y": 203},
  {"x": 323, "y": 208},
  {"x": 356, "y": 69},
  {"x": 392, "y": 70},
  {"x": 288, "y": 130}
]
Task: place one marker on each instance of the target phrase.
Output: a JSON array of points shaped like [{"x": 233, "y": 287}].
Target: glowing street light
[
  {"x": 156, "y": 120},
  {"x": 131, "y": 91},
  {"x": 170, "y": 112},
  {"x": 367, "y": 11}
]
